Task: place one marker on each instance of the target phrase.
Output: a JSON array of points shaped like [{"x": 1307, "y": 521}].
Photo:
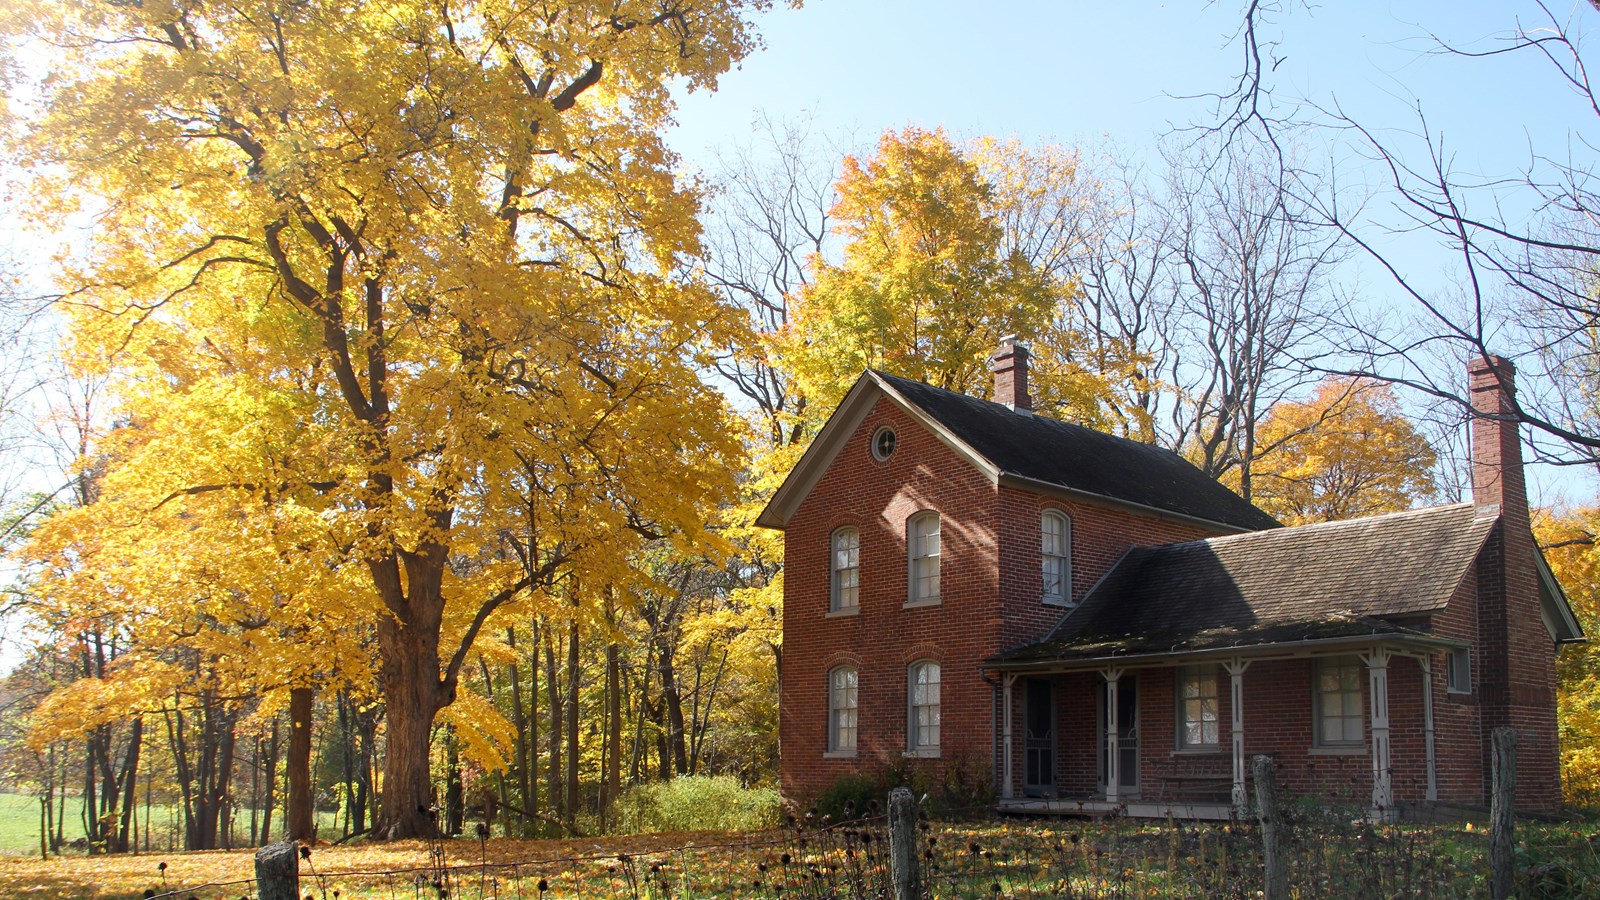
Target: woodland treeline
[{"x": 411, "y": 428}]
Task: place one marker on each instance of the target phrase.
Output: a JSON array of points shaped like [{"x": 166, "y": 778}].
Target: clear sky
[{"x": 1121, "y": 74}]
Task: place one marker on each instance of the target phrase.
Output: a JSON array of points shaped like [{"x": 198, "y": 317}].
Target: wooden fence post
[
  {"x": 1503, "y": 815},
  {"x": 903, "y": 845},
  {"x": 1274, "y": 834},
  {"x": 278, "y": 871}
]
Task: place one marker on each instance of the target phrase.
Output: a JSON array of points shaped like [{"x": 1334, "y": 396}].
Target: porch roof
[
  {"x": 1355, "y": 581},
  {"x": 1275, "y": 639}
]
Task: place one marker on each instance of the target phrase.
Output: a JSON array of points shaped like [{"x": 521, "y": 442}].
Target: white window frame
[
  {"x": 923, "y": 708},
  {"x": 844, "y": 695},
  {"x": 923, "y": 559},
  {"x": 1458, "y": 670},
  {"x": 1058, "y": 558},
  {"x": 1351, "y": 671},
  {"x": 1194, "y": 710},
  {"x": 884, "y": 442},
  {"x": 844, "y": 564}
]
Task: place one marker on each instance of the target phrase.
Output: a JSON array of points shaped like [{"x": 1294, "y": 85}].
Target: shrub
[
  {"x": 851, "y": 797},
  {"x": 696, "y": 803}
]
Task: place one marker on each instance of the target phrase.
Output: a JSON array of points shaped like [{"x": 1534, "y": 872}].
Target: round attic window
[{"x": 883, "y": 443}]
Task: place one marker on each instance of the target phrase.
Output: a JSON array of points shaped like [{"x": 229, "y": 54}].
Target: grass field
[{"x": 19, "y": 825}]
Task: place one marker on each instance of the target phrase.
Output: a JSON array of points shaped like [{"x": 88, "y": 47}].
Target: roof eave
[
  {"x": 838, "y": 428},
  {"x": 824, "y": 447},
  {"x": 1273, "y": 649},
  {"x": 1023, "y": 482},
  {"x": 1554, "y": 600}
]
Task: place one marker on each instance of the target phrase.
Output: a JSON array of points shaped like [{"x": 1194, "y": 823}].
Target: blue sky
[
  {"x": 1073, "y": 71},
  {"x": 1121, "y": 74}
]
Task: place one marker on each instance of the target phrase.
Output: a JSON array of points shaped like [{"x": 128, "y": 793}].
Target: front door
[
  {"x": 1039, "y": 739},
  {"x": 1127, "y": 736}
]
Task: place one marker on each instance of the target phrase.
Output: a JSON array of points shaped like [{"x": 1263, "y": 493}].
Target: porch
[{"x": 1171, "y": 734}]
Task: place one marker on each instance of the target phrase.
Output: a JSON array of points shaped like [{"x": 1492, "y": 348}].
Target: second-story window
[
  {"x": 846, "y": 556},
  {"x": 1055, "y": 557},
  {"x": 922, "y": 546}
]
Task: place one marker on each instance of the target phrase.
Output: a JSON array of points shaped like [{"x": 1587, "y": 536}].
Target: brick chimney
[
  {"x": 1010, "y": 367},
  {"x": 1497, "y": 477},
  {"x": 1513, "y": 657}
]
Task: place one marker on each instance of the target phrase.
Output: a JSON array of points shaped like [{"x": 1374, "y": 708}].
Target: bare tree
[
  {"x": 1525, "y": 246},
  {"x": 1252, "y": 293},
  {"x": 769, "y": 218}
]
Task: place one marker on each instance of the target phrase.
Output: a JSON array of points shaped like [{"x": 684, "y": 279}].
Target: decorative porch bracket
[
  {"x": 1377, "y": 661},
  {"x": 1006, "y": 791},
  {"x": 1235, "y": 669},
  {"x": 1113, "y": 746},
  {"x": 1426, "y": 662}
]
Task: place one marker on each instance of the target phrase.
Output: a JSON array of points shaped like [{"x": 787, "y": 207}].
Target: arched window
[
  {"x": 922, "y": 726},
  {"x": 846, "y": 565},
  {"x": 922, "y": 548},
  {"x": 1055, "y": 557},
  {"x": 842, "y": 710}
]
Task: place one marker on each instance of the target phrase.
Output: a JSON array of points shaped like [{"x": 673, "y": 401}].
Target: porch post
[
  {"x": 1006, "y": 790},
  {"x": 1235, "y": 669},
  {"x": 1113, "y": 749},
  {"x": 1426, "y": 662},
  {"x": 1377, "y": 661}
]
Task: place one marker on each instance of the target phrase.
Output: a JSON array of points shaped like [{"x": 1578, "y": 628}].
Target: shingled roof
[
  {"x": 1334, "y": 580},
  {"x": 1081, "y": 459},
  {"x": 1028, "y": 451}
]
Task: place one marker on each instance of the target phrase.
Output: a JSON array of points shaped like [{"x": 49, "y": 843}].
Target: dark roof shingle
[
  {"x": 1079, "y": 458},
  {"x": 1312, "y": 581}
]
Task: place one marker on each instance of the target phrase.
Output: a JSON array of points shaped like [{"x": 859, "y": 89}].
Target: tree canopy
[
  {"x": 1345, "y": 452},
  {"x": 425, "y": 262}
]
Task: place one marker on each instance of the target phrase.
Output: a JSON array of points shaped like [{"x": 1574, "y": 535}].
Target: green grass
[{"x": 19, "y": 825}]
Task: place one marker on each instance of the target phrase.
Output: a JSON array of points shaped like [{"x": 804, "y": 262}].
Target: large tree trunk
[
  {"x": 414, "y": 689},
  {"x": 301, "y": 823}
]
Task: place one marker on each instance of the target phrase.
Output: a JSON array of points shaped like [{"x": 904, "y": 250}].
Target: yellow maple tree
[
  {"x": 1345, "y": 452},
  {"x": 434, "y": 254},
  {"x": 931, "y": 279},
  {"x": 1568, "y": 542}
]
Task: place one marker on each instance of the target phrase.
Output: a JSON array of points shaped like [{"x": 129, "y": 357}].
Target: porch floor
[{"x": 1096, "y": 808}]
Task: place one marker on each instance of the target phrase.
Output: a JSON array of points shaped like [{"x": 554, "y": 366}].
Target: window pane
[
  {"x": 846, "y": 568},
  {"x": 923, "y": 545},
  {"x": 842, "y": 709},
  {"x": 925, "y": 712}
]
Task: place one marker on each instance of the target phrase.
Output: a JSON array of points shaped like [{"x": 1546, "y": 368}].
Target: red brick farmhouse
[{"x": 1095, "y": 624}]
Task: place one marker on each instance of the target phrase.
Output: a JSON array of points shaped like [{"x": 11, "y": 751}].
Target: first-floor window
[
  {"x": 842, "y": 709},
  {"x": 1338, "y": 702},
  {"x": 1459, "y": 670},
  {"x": 924, "y": 723},
  {"x": 1197, "y": 707}
]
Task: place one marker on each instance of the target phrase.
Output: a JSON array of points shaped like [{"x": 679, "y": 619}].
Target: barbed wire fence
[{"x": 1332, "y": 856}]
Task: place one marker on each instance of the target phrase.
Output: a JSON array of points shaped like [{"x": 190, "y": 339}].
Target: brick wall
[
  {"x": 885, "y": 637},
  {"x": 990, "y": 588}
]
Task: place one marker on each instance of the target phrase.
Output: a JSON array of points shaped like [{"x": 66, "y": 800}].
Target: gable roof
[
  {"x": 1332, "y": 580},
  {"x": 1029, "y": 452}
]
